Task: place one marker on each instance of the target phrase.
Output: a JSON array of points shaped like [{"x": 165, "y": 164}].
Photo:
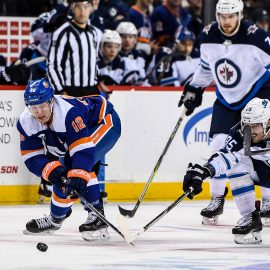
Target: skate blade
[
  {"x": 210, "y": 221},
  {"x": 265, "y": 222},
  {"x": 250, "y": 238},
  {"x": 41, "y": 233},
  {"x": 100, "y": 235}
]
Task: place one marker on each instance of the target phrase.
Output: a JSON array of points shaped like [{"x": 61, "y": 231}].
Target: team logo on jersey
[{"x": 227, "y": 73}]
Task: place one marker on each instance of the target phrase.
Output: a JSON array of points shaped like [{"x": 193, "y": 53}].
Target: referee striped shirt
[{"x": 72, "y": 56}]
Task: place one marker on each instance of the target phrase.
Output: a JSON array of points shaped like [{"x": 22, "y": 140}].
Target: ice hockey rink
[{"x": 177, "y": 241}]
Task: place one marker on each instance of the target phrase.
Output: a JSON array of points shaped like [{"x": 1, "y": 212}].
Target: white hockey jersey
[{"x": 238, "y": 64}]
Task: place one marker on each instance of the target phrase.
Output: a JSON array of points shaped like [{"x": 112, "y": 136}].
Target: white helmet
[
  {"x": 255, "y": 112},
  {"x": 127, "y": 28},
  {"x": 111, "y": 36},
  {"x": 230, "y": 7}
]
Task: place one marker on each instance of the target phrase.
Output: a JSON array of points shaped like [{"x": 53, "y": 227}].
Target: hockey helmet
[
  {"x": 127, "y": 28},
  {"x": 257, "y": 111},
  {"x": 184, "y": 34},
  {"x": 111, "y": 36},
  {"x": 37, "y": 92},
  {"x": 230, "y": 7}
]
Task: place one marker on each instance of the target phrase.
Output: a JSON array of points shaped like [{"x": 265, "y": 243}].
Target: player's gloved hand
[
  {"x": 19, "y": 74},
  {"x": 194, "y": 177},
  {"x": 53, "y": 172},
  {"x": 191, "y": 98},
  {"x": 74, "y": 183}
]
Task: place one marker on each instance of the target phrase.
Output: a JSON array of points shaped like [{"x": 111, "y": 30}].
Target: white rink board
[{"x": 148, "y": 119}]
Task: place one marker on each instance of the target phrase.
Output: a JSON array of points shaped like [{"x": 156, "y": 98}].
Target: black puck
[{"x": 42, "y": 247}]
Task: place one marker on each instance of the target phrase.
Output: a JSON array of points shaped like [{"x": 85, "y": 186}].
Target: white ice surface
[{"x": 177, "y": 241}]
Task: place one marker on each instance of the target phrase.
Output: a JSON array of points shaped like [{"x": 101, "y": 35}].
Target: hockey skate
[
  {"x": 265, "y": 212},
  {"x": 44, "y": 190},
  {"x": 94, "y": 228},
  {"x": 247, "y": 230},
  {"x": 211, "y": 213},
  {"x": 45, "y": 225}
]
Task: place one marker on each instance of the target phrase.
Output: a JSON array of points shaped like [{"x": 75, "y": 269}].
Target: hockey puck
[{"x": 42, "y": 247}]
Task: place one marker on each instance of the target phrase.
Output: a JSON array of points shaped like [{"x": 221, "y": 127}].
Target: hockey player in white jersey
[
  {"x": 110, "y": 65},
  {"x": 236, "y": 55},
  {"x": 134, "y": 60},
  {"x": 243, "y": 171}
]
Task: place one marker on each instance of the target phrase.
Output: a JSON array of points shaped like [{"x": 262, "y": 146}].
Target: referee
[{"x": 73, "y": 53}]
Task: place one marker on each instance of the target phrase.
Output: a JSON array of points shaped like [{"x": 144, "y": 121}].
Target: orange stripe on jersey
[
  {"x": 102, "y": 109},
  {"x": 143, "y": 40},
  {"x": 49, "y": 168},
  {"x": 60, "y": 200},
  {"x": 103, "y": 129},
  {"x": 24, "y": 152},
  {"x": 80, "y": 141},
  {"x": 81, "y": 174}
]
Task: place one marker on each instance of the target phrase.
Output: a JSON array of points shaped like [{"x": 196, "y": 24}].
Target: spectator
[
  {"x": 166, "y": 19},
  {"x": 195, "y": 10},
  {"x": 139, "y": 16},
  {"x": 113, "y": 12},
  {"x": 261, "y": 18}
]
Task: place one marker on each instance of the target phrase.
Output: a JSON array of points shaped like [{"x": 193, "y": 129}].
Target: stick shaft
[
  {"x": 162, "y": 155},
  {"x": 163, "y": 213}
]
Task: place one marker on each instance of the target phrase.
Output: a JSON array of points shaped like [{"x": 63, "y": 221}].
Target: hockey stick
[
  {"x": 131, "y": 213},
  {"x": 158, "y": 217},
  {"x": 32, "y": 61},
  {"x": 247, "y": 143},
  {"x": 125, "y": 236}
]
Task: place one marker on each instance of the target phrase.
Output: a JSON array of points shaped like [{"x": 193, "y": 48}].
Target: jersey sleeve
[
  {"x": 32, "y": 151},
  {"x": 229, "y": 156}
]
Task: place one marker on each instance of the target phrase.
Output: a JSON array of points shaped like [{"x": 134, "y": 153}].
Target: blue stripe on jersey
[
  {"x": 242, "y": 190},
  {"x": 248, "y": 97},
  {"x": 232, "y": 176},
  {"x": 204, "y": 67},
  {"x": 205, "y": 63},
  {"x": 227, "y": 161},
  {"x": 221, "y": 177}
]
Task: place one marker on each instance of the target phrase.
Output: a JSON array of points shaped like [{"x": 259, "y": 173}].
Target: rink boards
[{"x": 148, "y": 115}]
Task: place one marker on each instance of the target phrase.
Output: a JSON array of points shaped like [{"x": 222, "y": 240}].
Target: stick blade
[
  {"x": 123, "y": 226},
  {"x": 126, "y": 213}
]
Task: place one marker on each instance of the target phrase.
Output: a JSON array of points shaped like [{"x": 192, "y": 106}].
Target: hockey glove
[
  {"x": 77, "y": 179},
  {"x": 53, "y": 172},
  {"x": 74, "y": 183},
  {"x": 191, "y": 98},
  {"x": 19, "y": 74},
  {"x": 194, "y": 177}
]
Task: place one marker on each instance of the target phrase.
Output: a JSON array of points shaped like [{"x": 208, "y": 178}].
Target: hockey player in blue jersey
[
  {"x": 78, "y": 130},
  {"x": 236, "y": 55},
  {"x": 242, "y": 170}
]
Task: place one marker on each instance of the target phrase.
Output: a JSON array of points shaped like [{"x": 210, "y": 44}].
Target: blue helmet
[
  {"x": 185, "y": 34},
  {"x": 37, "y": 92}
]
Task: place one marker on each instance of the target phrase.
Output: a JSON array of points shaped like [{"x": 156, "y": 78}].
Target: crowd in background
[{"x": 143, "y": 42}]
